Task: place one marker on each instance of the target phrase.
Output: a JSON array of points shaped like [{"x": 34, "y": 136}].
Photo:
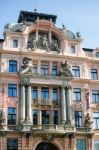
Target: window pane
[
  {"x": 45, "y": 93},
  {"x": 12, "y": 144},
  {"x": 11, "y": 116},
  {"x": 45, "y": 117},
  {"x": 81, "y": 144},
  {"x": 96, "y": 145},
  {"x": 12, "y": 90},
  {"x": 54, "y": 70},
  {"x": 55, "y": 116},
  {"x": 35, "y": 117},
  {"x": 77, "y": 94},
  {"x": 35, "y": 93},
  {"x": 12, "y": 66},
  {"x": 75, "y": 71},
  {"x": 96, "y": 120},
  {"x": 15, "y": 43},
  {"x": 78, "y": 118},
  {"x": 95, "y": 95},
  {"x": 94, "y": 74}
]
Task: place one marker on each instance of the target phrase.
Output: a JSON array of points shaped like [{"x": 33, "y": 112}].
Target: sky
[{"x": 76, "y": 15}]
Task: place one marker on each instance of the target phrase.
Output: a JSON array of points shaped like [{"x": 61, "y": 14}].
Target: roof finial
[{"x": 35, "y": 5}]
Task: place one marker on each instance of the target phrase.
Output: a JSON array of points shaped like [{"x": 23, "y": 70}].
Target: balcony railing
[
  {"x": 45, "y": 102},
  {"x": 84, "y": 130}
]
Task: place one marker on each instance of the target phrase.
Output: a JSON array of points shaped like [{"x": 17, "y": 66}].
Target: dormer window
[
  {"x": 72, "y": 49},
  {"x": 15, "y": 43},
  {"x": 97, "y": 54}
]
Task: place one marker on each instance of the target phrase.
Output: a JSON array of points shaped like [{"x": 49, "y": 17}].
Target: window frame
[
  {"x": 10, "y": 146},
  {"x": 15, "y": 43},
  {"x": 12, "y": 113},
  {"x": 78, "y": 119},
  {"x": 96, "y": 120},
  {"x": 12, "y": 90},
  {"x": 76, "y": 71},
  {"x": 94, "y": 74},
  {"x": 12, "y": 66},
  {"x": 77, "y": 94},
  {"x": 95, "y": 96}
]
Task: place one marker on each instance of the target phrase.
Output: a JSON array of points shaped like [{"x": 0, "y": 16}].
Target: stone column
[
  {"x": 22, "y": 102},
  {"x": 63, "y": 104},
  {"x": 50, "y": 36},
  {"x": 37, "y": 34},
  {"x": 29, "y": 104},
  {"x": 69, "y": 103}
]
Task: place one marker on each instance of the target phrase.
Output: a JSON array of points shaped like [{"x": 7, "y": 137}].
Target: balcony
[
  {"x": 45, "y": 102},
  {"x": 85, "y": 131}
]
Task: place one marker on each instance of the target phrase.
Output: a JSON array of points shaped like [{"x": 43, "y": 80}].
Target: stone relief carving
[
  {"x": 17, "y": 27},
  {"x": 87, "y": 122},
  {"x": 26, "y": 65},
  {"x": 47, "y": 136},
  {"x": 65, "y": 70},
  {"x": 42, "y": 43}
]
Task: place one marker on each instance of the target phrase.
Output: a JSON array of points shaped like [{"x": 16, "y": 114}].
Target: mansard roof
[{"x": 26, "y": 16}]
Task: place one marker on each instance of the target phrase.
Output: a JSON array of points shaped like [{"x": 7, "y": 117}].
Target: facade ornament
[
  {"x": 26, "y": 65},
  {"x": 42, "y": 43},
  {"x": 87, "y": 122},
  {"x": 78, "y": 35},
  {"x": 2, "y": 118},
  {"x": 47, "y": 136},
  {"x": 65, "y": 70}
]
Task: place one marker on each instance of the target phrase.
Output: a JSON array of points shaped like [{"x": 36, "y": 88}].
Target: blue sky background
[{"x": 77, "y": 15}]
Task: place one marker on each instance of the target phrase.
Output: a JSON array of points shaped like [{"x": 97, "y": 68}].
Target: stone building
[{"x": 49, "y": 87}]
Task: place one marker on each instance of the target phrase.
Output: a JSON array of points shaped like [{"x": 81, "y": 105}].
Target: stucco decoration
[
  {"x": 2, "y": 117},
  {"x": 17, "y": 27},
  {"x": 87, "y": 122},
  {"x": 46, "y": 136},
  {"x": 42, "y": 43},
  {"x": 26, "y": 65},
  {"x": 65, "y": 70}
]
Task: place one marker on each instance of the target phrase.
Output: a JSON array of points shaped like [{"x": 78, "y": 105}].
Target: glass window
[
  {"x": 35, "y": 117},
  {"x": 96, "y": 145},
  {"x": 97, "y": 54},
  {"x": 77, "y": 94},
  {"x": 55, "y": 116},
  {"x": 94, "y": 74},
  {"x": 11, "y": 116},
  {"x": 12, "y": 144},
  {"x": 95, "y": 96},
  {"x": 54, "y": 70},
  {"x": 76, "y": 71},
  {"x": 34, "y": 69},
  {"x": 12, "y": 90},
  {"x": 45, "y": 93},
  {"x": 81, "y": 144},
  {"x": 55, "y": 94},
  {"x": 45, "y": 116},
  {"x": 96, "y": 120},
  {"x": 15, "y": 43},
  {"x": 35, "y": 93},
  {"x": 78, "y": 118},
  {"x": 12, "y": 66},
  {"x": 44, "y": 69},
  {"x": 72, "y": 50}
]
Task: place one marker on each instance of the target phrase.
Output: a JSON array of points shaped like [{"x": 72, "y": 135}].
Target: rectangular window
[
  {"x": 94, "y": 75},
  {"x": 45, "y": 93},
  {"x": 12, "y": 90},
  {"x": 77, "y": 94},
  {"x": 54, "y": 70},
  {"x": 35, "y": 69},
  {"x": 96, "y": 145},
  {"x": 76, "y": 71},
  {"x": 55, "y": 116},
  {"x": 11, "y": 116},
  {"x": 78, "y": 118},
  {"x": 97, "y": 54},
  {"x": 12, "y": 66},
  {"x": 35, "y": 93},
  {"x": 81, "y": 144},
  {"x": 12, "y": 144},
  {"x": 15, "y": 43},
  {"x": 72, "y": 50},
  {"x": 44, "y": 69},
  {"x": 35, "y": 117},
  {"x": 45, "y": 116},
  {"x": 95, "y": 96},
  {"x": 55, "y": 94},
  {"x": 96, "y": 120}
]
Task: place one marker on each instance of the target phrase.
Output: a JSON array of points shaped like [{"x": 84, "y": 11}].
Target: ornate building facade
[{"x": 49, "y": 87}]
